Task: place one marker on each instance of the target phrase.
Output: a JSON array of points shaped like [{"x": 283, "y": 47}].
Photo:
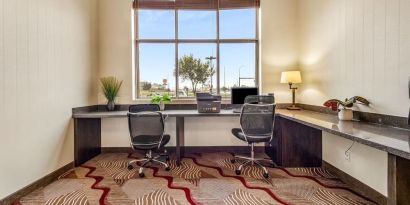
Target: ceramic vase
[
  {"x": 162, "y": 106},
  {"x": 345, "y": 114},
  {"x": 110, "y": 105}
]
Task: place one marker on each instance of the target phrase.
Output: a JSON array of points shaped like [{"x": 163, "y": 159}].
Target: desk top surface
[{"x": 390, "y": 139}]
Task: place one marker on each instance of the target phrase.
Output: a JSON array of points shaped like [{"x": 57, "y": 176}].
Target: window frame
[{"x": 177, "y": 41}]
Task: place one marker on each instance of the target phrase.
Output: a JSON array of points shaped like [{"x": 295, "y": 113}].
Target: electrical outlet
[{"x": 347, "y": 156}]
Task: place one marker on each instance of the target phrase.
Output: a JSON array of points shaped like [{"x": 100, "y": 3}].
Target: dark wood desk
[
  {"x": 87, "y": 135},
  {"x": 297, "y": 141}
]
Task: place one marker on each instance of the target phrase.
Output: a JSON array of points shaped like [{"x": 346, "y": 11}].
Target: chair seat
[
  {"x": 146, "y": 142},
  {"x": 237, "y": 132}
]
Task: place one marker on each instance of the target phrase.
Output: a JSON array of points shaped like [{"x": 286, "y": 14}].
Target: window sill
[{"x": 179, "y": 101}]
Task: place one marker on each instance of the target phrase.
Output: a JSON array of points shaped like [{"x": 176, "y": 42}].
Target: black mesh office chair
[
  {"x": 146, "y": 126},
  {"x": 260, "y": 99},
  {"x": 257, "y": 124}
]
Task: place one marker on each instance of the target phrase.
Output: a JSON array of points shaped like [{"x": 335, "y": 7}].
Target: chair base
[
  {"x": 252, "y": 160},
  {"x": 149, "y": 158}
]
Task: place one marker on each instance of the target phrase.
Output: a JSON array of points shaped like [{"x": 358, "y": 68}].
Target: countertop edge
[{"x": 391, "y": 150}]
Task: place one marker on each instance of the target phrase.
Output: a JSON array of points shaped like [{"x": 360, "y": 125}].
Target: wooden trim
[
  {"x": 400, "y": 185},
  {"x": 180, "y": 135},
  {"x": 356, "y": 185},
  {"x": 391, "y": 179},
  {"x": 87, "y": 139},
  {"x": 48, "y": 179},
  {"x": 196, "y": 4}
]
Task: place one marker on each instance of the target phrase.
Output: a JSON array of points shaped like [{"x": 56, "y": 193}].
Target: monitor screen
[{"x": 239, "y": 94}]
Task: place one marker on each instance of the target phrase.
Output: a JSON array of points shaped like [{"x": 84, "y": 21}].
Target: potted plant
[
  {"x": 110, "y": 87},
  {"x": 161, "y": 100},
  {"x": 343, "y": 107}
]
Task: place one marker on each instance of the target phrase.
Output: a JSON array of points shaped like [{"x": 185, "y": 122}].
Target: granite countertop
[{"x": 390, "y": 139}]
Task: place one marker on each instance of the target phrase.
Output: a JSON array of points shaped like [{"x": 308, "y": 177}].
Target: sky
[{"x": 157, "y": 61}]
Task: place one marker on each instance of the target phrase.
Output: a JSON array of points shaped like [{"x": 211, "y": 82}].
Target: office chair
[
  {"x": 260, "y": 99},
  {"x": 146, "y": 126},
  {"x": 257, "y": 124}
]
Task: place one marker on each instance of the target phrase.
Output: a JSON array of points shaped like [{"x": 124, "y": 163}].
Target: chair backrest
[
  {"x": 260, "y": 99},
  {"x": 145, "y": 122},
  {"x": 257, "y": 120},
  {"x": 144, "y": 107}
]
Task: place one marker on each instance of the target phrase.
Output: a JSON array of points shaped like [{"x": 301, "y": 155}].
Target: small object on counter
[
  {"x": 208, "y": 103},
  {"x": 342, "y": 107}
]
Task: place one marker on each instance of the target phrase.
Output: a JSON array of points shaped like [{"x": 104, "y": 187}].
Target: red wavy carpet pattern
[{"x": 201, "y": 179}]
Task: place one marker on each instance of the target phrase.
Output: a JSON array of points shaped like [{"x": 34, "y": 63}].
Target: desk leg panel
[
  {"x": 398, "y": 180},
  {"x": 87, "y": 139},
  {"x": 180, "y": 138}
]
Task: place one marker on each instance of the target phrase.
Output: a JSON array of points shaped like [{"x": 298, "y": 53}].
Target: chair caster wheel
[
  {"x": 238, "y": 172},
  {"x": 232, "y": 161},
  {"x": 266, "y": 175},
  {"x": 141, "y": 174},
  {"x": 129, "y": 167},
  {"x": 167, "y": 169}
]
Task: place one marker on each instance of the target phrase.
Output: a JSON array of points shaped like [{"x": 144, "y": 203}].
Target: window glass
[
  {"x": 237, "y": 66},
  {"x": 195, "y": 49},
  {"x": 156, "y": 69},
  {"x": 197, "y": 69},
  {"x": 156, "y": 24},
  {"x": 196, "y": 24},
  {"x": 237, "y": 23}
]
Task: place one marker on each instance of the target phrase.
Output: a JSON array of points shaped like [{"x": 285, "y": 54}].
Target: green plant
[
  {"x": 334, "y": 104},
  {"x": 194, "y": 70},
  {"x": 110, "y": 87},
  {"x": 158, "y": 99},
  {"x": 146, "y": 86}
]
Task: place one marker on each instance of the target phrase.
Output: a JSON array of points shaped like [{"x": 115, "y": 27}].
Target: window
[{"x": 184, "y": 47}]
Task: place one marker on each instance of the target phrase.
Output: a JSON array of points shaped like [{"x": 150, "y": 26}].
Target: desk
[
  {"x": 290, "y": 125},
  {"x": 87, "y": 134},
  {"x": 395, "y": 141}
]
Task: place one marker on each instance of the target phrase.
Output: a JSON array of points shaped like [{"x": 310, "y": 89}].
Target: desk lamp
[{"x": 292, "y": 77}]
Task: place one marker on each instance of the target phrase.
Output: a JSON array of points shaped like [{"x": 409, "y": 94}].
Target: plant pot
[
  {"x": 111, "y": 105},
  {"x": 162, "y": 106},
  {"x": 345, "y": 114}
]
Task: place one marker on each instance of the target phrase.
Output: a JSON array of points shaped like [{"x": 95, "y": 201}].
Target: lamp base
[{"x": 293, "y": 107}]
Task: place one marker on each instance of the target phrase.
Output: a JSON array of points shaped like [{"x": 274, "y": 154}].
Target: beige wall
[
  {"x": 199, "y": 131},
  {"x": 115, "y": 42},
  {"x": 279, "y": 45},
  {"x": 350, "y": 47},
  {"x": 362, "y": 159},
  {"x": 47, "y": 58}
]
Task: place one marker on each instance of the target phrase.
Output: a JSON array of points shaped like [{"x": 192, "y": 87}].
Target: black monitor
[{"x": 239, "y": 95}]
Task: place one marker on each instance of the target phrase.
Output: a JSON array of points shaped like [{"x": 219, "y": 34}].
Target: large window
[{"x": 194, "y": 48}]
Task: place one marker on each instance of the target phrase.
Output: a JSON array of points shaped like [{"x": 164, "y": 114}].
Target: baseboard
[
  {"x": 48, "y": 179},
  {"x": 192, "y": 149},
  {"x": 356, "y": 185}
]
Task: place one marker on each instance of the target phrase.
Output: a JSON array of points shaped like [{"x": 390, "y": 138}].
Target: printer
[{"x": 208, "y": 103}]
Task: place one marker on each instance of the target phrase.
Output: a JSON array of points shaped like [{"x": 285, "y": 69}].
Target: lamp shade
[{"x": 291, "y": 77}]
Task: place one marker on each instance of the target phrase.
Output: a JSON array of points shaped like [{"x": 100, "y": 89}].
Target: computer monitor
[{"x": 239, "y": 95}]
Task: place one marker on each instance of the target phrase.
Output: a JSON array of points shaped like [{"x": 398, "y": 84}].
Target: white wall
[
  {"x": 47, "y": 62},
  {"x": 279, "y": 45},
  {"x": 116, "y": 45},
  {"x": 367, "y": 164},
  {"x": 199, "y": 131},
  {"x": 351, "y": 47}
]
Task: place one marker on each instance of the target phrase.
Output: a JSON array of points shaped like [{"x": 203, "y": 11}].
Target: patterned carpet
[{"x": 201, "y": 179}]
